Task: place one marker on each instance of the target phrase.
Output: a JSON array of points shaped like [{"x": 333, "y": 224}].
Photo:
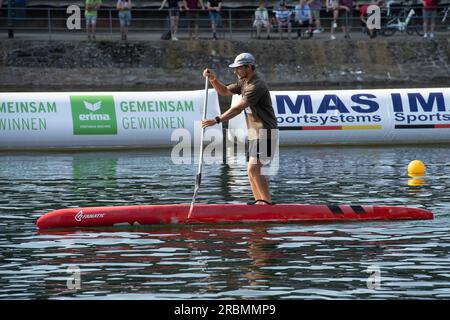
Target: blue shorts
[
  {"x": 125, "y": 18},
  {"x": 214, "y": 17},
  {"x": 429, "y": 14},
  {"x": 91, "y": 20}
]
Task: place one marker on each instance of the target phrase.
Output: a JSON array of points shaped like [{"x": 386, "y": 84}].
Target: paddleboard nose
[{"x": 420, "y": 213}]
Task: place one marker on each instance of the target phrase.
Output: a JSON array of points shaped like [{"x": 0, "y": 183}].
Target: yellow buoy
[
  {"x": 416, "y": 181},
  {"x": 416, "y": 168}
]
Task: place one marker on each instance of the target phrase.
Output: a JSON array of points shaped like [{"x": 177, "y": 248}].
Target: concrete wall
[{"x": 169, "y": 65}]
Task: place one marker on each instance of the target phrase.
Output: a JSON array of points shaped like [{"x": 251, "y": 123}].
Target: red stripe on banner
[
  {"x": 322, "y": 128},
  {"x": 442, "y": 125}
]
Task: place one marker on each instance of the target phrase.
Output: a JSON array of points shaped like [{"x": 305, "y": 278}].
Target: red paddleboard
[{"x": 222, "y": 213}]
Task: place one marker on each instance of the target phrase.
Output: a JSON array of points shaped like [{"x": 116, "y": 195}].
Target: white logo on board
[{"x": 80, "y": 216}]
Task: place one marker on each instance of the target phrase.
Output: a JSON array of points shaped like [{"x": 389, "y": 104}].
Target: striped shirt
[{"x": 283, "y": 15}]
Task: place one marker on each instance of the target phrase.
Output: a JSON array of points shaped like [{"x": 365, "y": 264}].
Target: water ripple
[{"x": 266, "y": 261}]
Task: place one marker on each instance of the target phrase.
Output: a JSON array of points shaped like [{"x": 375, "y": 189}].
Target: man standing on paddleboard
[{"x": 261, "y": 121}]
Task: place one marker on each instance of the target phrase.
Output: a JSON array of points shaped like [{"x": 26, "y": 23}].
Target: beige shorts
[{"x": 261, "y": 23}]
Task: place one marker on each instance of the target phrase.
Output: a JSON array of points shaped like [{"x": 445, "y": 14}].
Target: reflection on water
[{"x": 282, "y": 261}]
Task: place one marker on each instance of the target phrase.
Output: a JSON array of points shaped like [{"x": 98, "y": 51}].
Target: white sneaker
[
  {"x": 334, "y": 25},
  {"x": 431, "y": 35},
  {"x": 175, "y": 38},
  {"x": 333, "y": 37},
  {"x": 318, "y": 30},
  {"x": 425, "y": 35}
]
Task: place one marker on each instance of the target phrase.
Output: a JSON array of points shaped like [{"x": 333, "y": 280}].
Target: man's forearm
[
  {"x": 220, "y": 87},
  {"x": 230, "y": 114}
]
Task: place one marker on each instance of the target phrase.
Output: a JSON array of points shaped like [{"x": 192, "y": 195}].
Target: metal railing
[{"x": 53, "y": 20}]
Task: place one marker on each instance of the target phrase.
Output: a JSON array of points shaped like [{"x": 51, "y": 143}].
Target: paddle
[{"x": 198, "y": 178}]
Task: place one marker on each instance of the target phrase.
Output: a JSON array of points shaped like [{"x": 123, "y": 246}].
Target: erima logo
[
  {"x": 91, "y": 116},
  {"x": 82, "y": 216},
  {"x": 93, "y": 106}
]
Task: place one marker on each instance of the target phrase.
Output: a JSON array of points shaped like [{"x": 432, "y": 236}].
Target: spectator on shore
[
  {"x": 315, "y": 6},
  {"x": 372, "y": 32},
  {"x": 303, "y": 19},
  {"x": 345, "y": 16},
  {"x": 175, "y": 6},
  {"x": 124, "y": 8},
  {"x": 193, "y": 11},
  {"x": 214, "y": 7},
  {"x": 90, "y": 14},
  {"x": 283, "y": 18},
  {"x": 429, "y": 14},
  {"x": 262, "y": 19},
  {"x": 334, "y": 6}
]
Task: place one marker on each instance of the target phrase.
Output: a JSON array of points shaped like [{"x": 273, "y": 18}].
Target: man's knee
[{"x": 254, "y": 168}]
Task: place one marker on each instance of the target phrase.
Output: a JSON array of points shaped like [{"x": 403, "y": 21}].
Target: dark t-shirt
[
  {"x": 173, "y": 4},
  {"x": 214, "y": 3},
  {"x": 259, "y": 112},
  {"x": 347, "y": 3},
  {"x": 192, "y": 4}
]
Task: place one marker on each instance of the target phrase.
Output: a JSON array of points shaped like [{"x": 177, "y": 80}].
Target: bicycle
[
  {"x": 445, "y": 15},
  {"x": 401, "y": 22}
]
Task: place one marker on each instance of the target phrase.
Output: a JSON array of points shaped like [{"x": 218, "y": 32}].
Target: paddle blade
[{"x": 198, "y": 180}]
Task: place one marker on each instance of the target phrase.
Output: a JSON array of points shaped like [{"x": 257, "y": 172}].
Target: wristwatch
[{"x": 217, "y": 119}]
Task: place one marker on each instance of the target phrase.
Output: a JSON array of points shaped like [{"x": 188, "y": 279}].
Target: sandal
[{"x": 254, "y": 202}]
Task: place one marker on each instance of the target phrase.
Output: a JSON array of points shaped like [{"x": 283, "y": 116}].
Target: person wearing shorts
[
  {"x": 429, "y": 14},
  {"x": 334, "y": 6},
  {"x": 124, "y": 8},
  {"x": 261, "y": 20},
  {"x": 315, "y": 6},
  {"x": 303, "y": 19},
  {"x": 90, "y": 14},
  {"x": 175, "y": 6},
  {"x": 214, "y": 7},
  {"x": 283, "y": 18},
  {"x": 262, "y": 125}
]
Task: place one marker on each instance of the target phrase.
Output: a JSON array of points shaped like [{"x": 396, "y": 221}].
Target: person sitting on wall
[
  {"x": 283, "y": 18},
  {"x": 316, "y": 6},
  {"x": 333, "y": 5},
  {"x": 303, "y": 19},
  {"x": 261, "y": 19}
]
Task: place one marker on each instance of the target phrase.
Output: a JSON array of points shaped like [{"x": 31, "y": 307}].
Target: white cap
[{"x": 242, "y": 60}]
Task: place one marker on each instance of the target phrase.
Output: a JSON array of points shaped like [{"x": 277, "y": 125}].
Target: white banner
[
  {"x": 381, "y": 116},
  {"x": 100, "y": 119}
]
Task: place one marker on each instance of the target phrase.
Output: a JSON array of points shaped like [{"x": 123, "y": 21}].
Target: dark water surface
[{"x": 407, "y": 259}]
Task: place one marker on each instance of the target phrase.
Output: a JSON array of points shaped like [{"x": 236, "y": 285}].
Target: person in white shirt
[{"x": 261, "y": 20}]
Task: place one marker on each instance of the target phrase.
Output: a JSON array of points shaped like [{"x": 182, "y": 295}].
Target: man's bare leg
[{"x": 258, "y": 182}]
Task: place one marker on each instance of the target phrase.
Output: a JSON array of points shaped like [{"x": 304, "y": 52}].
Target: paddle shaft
[{"x": 198, "y": 178}]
